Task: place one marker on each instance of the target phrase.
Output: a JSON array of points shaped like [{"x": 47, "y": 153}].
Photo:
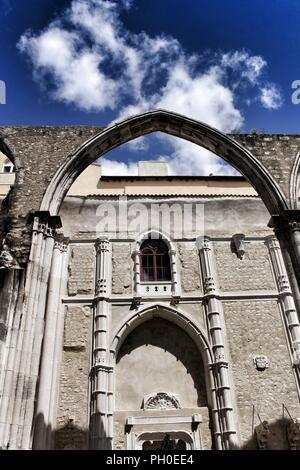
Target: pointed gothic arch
[
  {"x": 184, "y": 322},
  {"x": 174, "y": 124},
  {"x": 171, "y": 314}
]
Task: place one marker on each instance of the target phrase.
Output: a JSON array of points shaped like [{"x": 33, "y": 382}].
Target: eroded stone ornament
[
  {"x": 161, "y": 400},
  {"x": 261, "y": 362}
]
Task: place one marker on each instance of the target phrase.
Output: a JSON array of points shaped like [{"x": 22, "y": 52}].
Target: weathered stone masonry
[
  {"x": 38, "y": 152},
  {"x": 36, "y": 399}
]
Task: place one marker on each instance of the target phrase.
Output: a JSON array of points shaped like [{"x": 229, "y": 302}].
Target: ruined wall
[
  {"x": 255, "y": 328},
  {"x": 157, "y": 355},
  {"x": 38, "y": 152},
  {"x": 82, "y": 263},
  {"x": 73, "y": 401},
  {"x": 252, "y": 272},
  {"x": 189, "y": 268},
  {"x": 122, "y": 268},
  {"x": 277, "y": 152}
]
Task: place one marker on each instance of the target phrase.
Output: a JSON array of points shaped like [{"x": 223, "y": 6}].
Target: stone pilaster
[
  {"x": 137, "y": 270},
  {"x": 102, "y": 372},
  {"x": 174, "y": 275},
  {"x": 286, "y": 298},
  {"x": 224, "y": 413},
  {"x": 52, "y": 347}
]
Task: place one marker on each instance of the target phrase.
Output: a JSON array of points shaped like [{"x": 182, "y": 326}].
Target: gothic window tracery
[{"x": 155, "y": 261}]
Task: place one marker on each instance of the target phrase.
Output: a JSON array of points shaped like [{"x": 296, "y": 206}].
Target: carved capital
[
  {"x": 46, "y": 224},
  {"x": 61, "y": 243},
  {"x": 203, "y": 243},
  {"x": 287, "y": 220},
  {"x": 102, "y": 245},
  {"x": 272, "y": 242}
]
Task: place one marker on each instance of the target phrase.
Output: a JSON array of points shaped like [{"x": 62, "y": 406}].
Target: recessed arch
[
  {"x": 178, "y": 126},
  {"x": 173, "y": 315},
  {"x": 184, "y": 322}
]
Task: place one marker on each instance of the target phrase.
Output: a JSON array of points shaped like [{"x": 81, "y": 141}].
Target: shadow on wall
[
  {"x": 282, "y": 434},
  {"x": 163, "y": 341},
  {"x": 279, "y": 435},
  {"x": 68, "y": 437}
]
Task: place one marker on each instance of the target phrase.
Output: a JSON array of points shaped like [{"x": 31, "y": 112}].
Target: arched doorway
[{"x": 160, "y": 389}]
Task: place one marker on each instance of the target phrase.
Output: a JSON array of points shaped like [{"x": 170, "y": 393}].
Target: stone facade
[
  {"x": 72, "y": 413},
  {"x": 86, "y": 341},
  {"x": 190, "y": 269},
  {"x": 233, "y": 273},
  {"x": 121, "y": 265},
  {"x": 270, "y": 388},
  {"x": 81, "y": 270}
]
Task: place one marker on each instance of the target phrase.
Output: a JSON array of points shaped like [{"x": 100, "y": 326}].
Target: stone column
[
  {"x": 23, "y": 360},
  {"x": 102, "y": 372},
  {"x": 11, "y": 297},
  {"x": 224, "y": 413},
  {"x": 287, "y": 230},
  {"x": 52, "y": 345},
  {"x": 286, "y": 298}
]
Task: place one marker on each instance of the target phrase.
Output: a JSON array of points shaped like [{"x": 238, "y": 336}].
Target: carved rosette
[{"x": 161, "y": 400}]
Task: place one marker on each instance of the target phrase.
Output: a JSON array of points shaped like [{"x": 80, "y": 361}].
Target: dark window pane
[{"x": 155, "y": 261}]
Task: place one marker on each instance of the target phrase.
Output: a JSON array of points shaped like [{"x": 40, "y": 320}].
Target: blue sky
[{"x": 89, "y": 62}]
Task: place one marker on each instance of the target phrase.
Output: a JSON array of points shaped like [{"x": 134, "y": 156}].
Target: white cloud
[
  {"x": 113, "y": 168},
  {"x": 270, "y": 97},
  {"x": 89, "y": 59},
  {"x": 76, "y": 73},
  {"x": 249, "y": 67}
]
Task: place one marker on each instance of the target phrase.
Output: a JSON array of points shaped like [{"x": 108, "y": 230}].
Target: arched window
[
  {"x": 155, "y": 261},
  {"x": 8, "y": 167}
]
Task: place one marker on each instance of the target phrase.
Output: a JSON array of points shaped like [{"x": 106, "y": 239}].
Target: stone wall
[
  {"x": 38, "y": 152},
  {"x": 256, "y": 328},
  {"x": 189, "y": 267},
  {"x": 81, "y": 270},
  {"x": 252, "y": 272},
  {"x": 73, "y": 402},
  {"x": 121, "y": 268}
]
